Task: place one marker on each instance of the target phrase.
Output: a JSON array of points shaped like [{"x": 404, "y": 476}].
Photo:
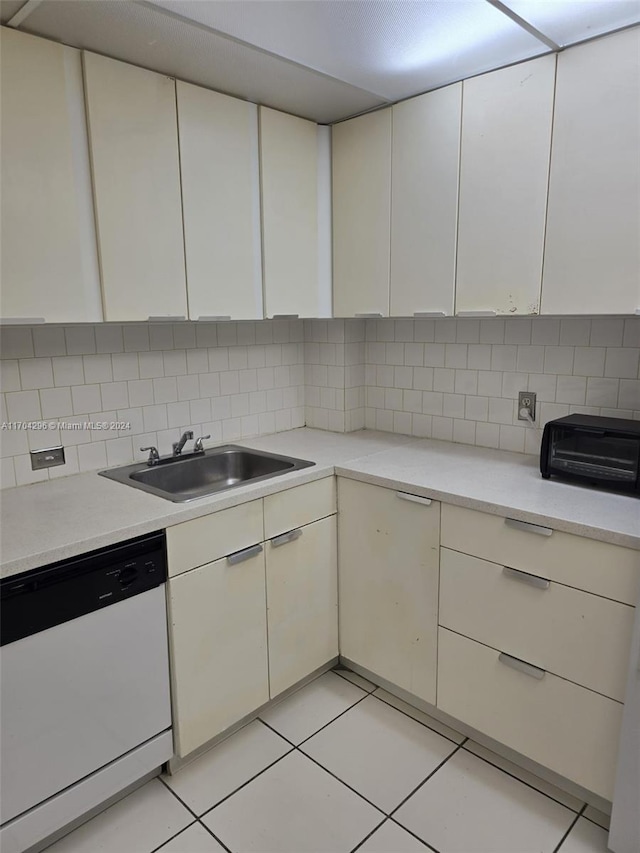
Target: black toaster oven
[{"x": 600, "y": 451}]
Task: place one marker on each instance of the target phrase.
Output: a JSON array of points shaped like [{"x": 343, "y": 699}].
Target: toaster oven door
[{"x": 595, "y": 456}]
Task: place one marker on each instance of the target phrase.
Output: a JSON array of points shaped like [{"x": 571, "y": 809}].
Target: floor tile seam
[
  {"x": 406, "y": 714},
  {"x": 424, "y": 782},
  {"x": 244, "y": 784},
  {"x": 339, "y": 674},
  {"x": 341, "y": 714},
  {"x": 178, "y": 798},
  {"x": 368, "y": 836},
  {"x": 342, "y": 782},
  {"x": 175, "y": 835},
  {"x": 411, "y": 832},
  {"x": 518, "y": 779},
  {"x": 213, "y": 835},
  {"x": 569, "y": 830}
]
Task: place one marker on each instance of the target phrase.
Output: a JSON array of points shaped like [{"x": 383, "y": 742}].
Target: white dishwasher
[{"x": 84, "y": 686}]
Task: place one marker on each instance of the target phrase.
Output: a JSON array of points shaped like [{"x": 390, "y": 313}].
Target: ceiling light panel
[
  {"x": 142, "y": 36},
  {"x": 571, "y": 21},
  {"x": 395, "y": 48}
]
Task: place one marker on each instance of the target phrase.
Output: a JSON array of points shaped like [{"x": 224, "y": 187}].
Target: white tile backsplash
[
  {"x": 159, "y": 378},
  {"x": 453, "y": 379},
  {"x": 472, "y": 371}
]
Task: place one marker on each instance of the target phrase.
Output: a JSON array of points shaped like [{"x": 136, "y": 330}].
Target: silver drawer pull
[
  {"x": 241, "y": 556},
  {"x": 475, "y": 313},
  {"x": 521, "y": 666},
  {"x": 429, "y": 314},
  {"x": 370, "y": 315},
  {"x": 286, "y": 537},
  {"x": 525, "y": 577},
  {"x": 416, "y": 499},
  {"x": 530, "y": 528}
]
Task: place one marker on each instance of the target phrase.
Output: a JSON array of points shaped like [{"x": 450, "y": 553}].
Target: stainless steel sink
[{"x": 196, "y": 475}]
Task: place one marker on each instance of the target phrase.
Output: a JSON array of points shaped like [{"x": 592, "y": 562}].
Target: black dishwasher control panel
[{"x": 42, "y": 598}]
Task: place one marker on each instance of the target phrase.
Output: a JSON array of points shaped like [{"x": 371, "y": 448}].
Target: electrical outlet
[
  {"x": 526, "y": 401},
  {"x": 47, "y": 458}
]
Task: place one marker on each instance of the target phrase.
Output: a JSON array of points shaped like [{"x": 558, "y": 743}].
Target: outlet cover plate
[
  {"x": 48, "y": 458},
  {"x": 526, "y": 400}
]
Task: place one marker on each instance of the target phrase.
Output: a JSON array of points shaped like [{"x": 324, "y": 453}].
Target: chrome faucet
[{"x": 184, "y": 438}]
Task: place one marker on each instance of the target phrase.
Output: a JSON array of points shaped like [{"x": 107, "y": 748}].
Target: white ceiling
[{"x": 321, "y": 59}]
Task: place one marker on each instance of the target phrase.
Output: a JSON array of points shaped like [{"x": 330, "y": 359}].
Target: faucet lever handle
[
  {"x": 197, "y": 447},
  {"x": 154, "y": 456}
]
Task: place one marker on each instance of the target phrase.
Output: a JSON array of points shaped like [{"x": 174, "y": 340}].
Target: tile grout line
[
  {"x": 341, "y": 714},
  {"x": 368, "y": 836},
  {"x": 244, "y": 784},
  {"x": 528, "y": 784},
  {"x": 342, "y": 782},
  {"x": 213, "y": 835},
  {"x": 406, "y": 714},
  {"x": 424, "y": 781},
  {"x": 573, "y": 823},
  {"x": 411, "y": 832},
  {"x": 171, "y": 838}
]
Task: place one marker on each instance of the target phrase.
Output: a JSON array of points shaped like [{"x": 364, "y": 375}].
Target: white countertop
[{"x": 50, "y": 521}]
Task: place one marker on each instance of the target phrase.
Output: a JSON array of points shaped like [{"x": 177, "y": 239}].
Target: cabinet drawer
[
  {"x": 598, "y": 567},
  {"x": 298, "y": 506},
  {"x": 574, "y": 634},
  {"x": 205, "y": 539},
  {"x": 566, "y": 728}
]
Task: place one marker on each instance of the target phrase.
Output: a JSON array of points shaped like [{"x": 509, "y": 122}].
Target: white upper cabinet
[
  {"x": 136, "y": 178},
  {"x": 289, "y": 176},
  {"x": 424, "y": 202},
  {"x": 49, "y": 257},
  {"x": 592, "y": 256},
  {"x": 504, "y": 171},
  {"x": 362, "y": 215},
  {"x": 219, "y": 165}
]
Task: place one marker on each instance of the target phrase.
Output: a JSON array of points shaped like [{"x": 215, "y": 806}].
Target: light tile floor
[{"x": 341, "y": 766}]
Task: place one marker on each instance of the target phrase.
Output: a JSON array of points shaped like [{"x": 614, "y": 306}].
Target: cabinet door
[
  {"x": 218, "y": 640},
  {"x": 219, "y": 166},
  {"x": 362, "y": 215},
  {"x": 49, "y": 256},
  {"x": 289, "y": 175},
  {"x": 424, "y": 202},
  {"x": 388, "y": 584},
  {"x": 302, "y": 602},
  {"x": 592, "y": 255},
  {"x": 136, "y": 179},
  {"x": 504, "y": 170}
]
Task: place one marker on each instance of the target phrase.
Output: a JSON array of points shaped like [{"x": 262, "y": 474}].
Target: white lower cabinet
[
  {"x": 534, "y": 642},
  {"x": 388, "y": 584},
  {"x": 302, "y": 602},
  {"x": 218, "y": 631},
  {"x": 570, "y": 730},
  {"x": 225, "y": 664}
]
